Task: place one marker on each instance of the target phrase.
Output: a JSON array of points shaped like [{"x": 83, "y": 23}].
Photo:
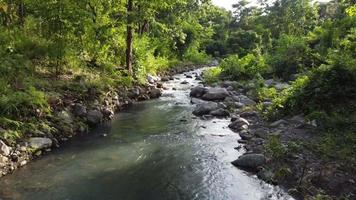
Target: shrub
[
  {"x": 23, "y": 103},
  {"x": 243, "y": 68},
  {"x": 329, "y": 89},
  {"x": 291, "y": 55},
  {"x": 212, "y": 75}
]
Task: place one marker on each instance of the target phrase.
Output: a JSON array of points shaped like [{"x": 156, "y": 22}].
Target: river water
[{"x": 155, "y": 150}]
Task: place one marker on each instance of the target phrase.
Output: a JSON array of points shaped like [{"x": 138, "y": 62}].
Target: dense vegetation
[{"x": 55, "y": 50}]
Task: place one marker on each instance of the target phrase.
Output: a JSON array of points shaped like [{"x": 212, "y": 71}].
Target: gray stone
[
  {"x": 94, "y": 117},
  {"x": 4, "y": 149},
  {"x": 220, "y": 113},
  {"x": 184, "y": 83},
  {"x": 278, "y": 123},
  {"x": 152, "y": 79},
  {"x": 227, "y": 84},
  {"x": 108, "y": 113},
  {"x": 65, "y": 116},
  {"x": 281, "y": 86},
  {"x": 246, "y": 136},
  {"x": 3, "y": 161},
  {"x": 269, "y": 82},
  {"x": 205, "y": 108},
  {"x": 215, "y": 94},
  {"x": 246, "y": 101},
  {"x": 197, "y": 101},
  {"x": 79, "y": 110},
  {"x": 38, "y": 143},
  {"x": 261, "y": 133},
  {"x": 165, "y": 79},
  {"x": 198, "y": 91},
  {"x": 239, "y": 124},
  {"x": 155, "y": 93},
  {"x": 250, "y": 161}
]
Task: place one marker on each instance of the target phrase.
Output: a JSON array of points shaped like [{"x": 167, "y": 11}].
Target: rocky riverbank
[
  {"x": 279, "y": 152},
  {"x": 76, "y": 115}
]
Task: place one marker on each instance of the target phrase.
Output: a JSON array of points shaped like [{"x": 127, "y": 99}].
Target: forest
[{"x": 63, "y": 59}]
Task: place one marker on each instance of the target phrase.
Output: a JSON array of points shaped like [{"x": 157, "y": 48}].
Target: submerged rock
[
  {"x": 215, "y": 94},
  {"x": 4, "y": 149},
  {"x": 250, "y": 161},
  {"x": 37, "y": 143},
  {"x": 205, "y": 108}
]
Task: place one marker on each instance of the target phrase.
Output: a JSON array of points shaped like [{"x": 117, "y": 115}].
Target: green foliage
[
  {"x": 27, "y": 103},
  {"x": 243, "y": 68},
  {"x": 290, "y": 56},
  {"x": 212, "y": 75},
  {"x": 329, "y": 88},
  {"x": 275, "y": 148}
]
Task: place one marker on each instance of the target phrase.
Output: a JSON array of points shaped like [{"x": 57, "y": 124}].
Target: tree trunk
[{"x": 129, "y": 37}]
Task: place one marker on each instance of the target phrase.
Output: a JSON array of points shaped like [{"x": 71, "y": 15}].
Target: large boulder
[
  {"x": 215, "y": 94},
  {"x": 155, "y": 93},
  {"x": 250, "y": 161},
  {"x": 198, "y": 91},
  {"x": 239, "y": 124},
  {"x": 220, "y": 113},
  {"x": 4, "y": 149},
  {"x": 197, "y": 101},
  {"x": 94, "y": 117},
  {"x": 38, "y": 143},
  {"x": 205, "y": 108}
]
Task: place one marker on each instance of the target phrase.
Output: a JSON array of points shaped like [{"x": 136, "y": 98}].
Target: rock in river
[
  {"x": 215, "y": 94},
  {"x": 94, "y": 117},
  {"x": 37, "y": 143},
  {"x": 239, "y": 124},
  {"x": 250, "y": 161},
  {"x": 205, "y": 108},
  {"x": 155, "y": 93},
  {"x": 198, "y": 91}
]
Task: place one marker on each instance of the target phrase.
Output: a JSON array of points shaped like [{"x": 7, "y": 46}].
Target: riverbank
[
  {"x": 282, "y": 152},
  {"x": 74, "y": 113}
]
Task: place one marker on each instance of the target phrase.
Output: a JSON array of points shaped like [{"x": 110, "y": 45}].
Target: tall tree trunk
[
  {"x": 21, "y": 12},
  {"x": 129, "y": 37}
]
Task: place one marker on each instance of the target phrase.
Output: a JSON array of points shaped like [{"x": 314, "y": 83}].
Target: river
[{"x": 153, "y": 150}]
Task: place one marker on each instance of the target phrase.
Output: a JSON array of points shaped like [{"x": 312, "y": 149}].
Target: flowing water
[{"x": 154, "y": 150}]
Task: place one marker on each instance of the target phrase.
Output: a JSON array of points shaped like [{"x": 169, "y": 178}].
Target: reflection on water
[{"x": 154, "y": 150}]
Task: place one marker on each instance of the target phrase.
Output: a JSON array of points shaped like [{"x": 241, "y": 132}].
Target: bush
[
  {"x": 290, "y": 56},
  {"x": 23, "y": 103},
  {"x": 193, "y": 54},
  {"x": 243, "y": 68},
  {"x": 330, "y": 89},
  {"x": 212, "y": 75}
]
